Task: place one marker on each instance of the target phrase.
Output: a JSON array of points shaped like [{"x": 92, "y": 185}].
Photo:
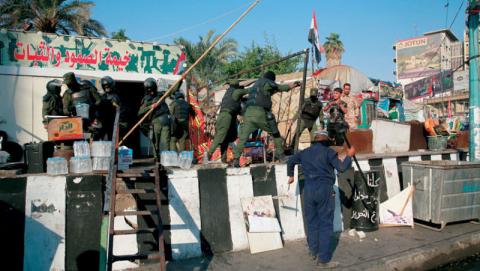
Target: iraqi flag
[
  {"x": 314, "y": 40},
  {"x": 180, "y": 67}
]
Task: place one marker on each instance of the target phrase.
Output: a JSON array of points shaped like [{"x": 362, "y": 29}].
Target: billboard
[
  {"x": 418, "y": 57},
  {"x": 460, "y": 81},
  {"x": 390, "y": 91},
  {"x": 432, "y": 85},
  {"x": 29, "y": 49}
]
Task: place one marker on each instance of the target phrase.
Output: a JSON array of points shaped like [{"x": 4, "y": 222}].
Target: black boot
[{"x": 236, "y": 162}]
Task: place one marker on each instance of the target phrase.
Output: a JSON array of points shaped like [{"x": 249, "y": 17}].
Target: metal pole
[
  {"x": 184, "y": 75},
  {"x": 259, "y": 67},
  {"x": 302, "y": 98},
  {"x": 474, "y": 112}
]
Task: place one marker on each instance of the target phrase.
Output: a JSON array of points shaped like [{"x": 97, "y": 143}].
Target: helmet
[
  {"x": 179, "y": 95},
  {"x": 107, "y": 83},
  {"x": 269, "y": 75},
  {"x": 150, "y": 85},
  {"x": 314, "y": 92},
  {"x": 69, "y": 79},
  {"x": 54, "y": 86}
]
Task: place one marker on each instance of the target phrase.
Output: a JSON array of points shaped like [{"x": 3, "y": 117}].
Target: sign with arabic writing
[{"x": 30, "y": 49}]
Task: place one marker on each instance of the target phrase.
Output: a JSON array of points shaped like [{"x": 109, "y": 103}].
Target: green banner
[{"x": 29, "y": 49}]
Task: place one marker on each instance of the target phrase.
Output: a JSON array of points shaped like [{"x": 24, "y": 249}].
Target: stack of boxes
[
  {"x": 101, "y": 153},
  {"x": 81, "y": 161}
]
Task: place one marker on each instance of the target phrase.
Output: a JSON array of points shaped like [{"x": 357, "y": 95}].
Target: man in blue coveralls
[{"x": 318, "y": 164}]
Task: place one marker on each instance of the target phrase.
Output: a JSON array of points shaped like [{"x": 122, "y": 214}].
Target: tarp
[{"x": 346, "y": 74}]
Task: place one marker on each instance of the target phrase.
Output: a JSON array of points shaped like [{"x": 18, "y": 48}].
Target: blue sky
[{"x": 367, "y": 28}]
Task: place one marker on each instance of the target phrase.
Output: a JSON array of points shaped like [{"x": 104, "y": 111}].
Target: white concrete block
[
  {"x": 337, "y": 214},
  {"x": 454, "y": 156},
  {"x": 184, "y": 208},
  {"x": 436, "y": 157},
  {"x": 44, "y": 241},
  {"x": 290, "y": 206},
  {"x": 389, "y": 136},
  {"x": 177, "y": 173},
  {"x": 125, "y": 244},
  {"x": 392, "y": 179},
  {"x": 363, "y": 165},
  {"x": 414, "y": 158},
  {"x": 239, "y": 185}
]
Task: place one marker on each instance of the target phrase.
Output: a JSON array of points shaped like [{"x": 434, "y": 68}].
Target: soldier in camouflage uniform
[
  {"x": 77, "y": 93},
  {"x": 337, "y": 109},
  {"x": 311, "y": 110},
  {"x": 258, "y": 114},
  {"x": 107, "y": 109},
  {"x": 52, "y": 101},
  {"x": 351, "y": 117},
  {"x": 227, "y": 124},
  {"x": 160, "y": 117},
  {"x": 181, "y": 111}
]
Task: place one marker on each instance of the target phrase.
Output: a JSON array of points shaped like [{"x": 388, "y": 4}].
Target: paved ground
[{"x": 385, "y": 249}]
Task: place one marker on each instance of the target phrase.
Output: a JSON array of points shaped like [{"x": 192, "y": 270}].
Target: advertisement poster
[
  {"x": 430, "y": 86},
  {"x": 418, "y": 57}
]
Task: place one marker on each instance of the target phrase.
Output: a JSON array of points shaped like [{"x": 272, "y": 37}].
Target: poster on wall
[
  {"x": 432, "y": 85},
  {"x": 40, "y": 50},
  {"x": 418, "y": 57},
  {"x": 460, "y": 81},
  {"x": 389, "y": 90}
]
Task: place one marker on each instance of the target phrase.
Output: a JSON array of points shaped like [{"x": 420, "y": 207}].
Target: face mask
[{"x": 106, "y": 88}]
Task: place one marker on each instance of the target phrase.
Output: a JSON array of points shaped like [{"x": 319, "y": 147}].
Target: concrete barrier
[{"x": 203, "y": 215}]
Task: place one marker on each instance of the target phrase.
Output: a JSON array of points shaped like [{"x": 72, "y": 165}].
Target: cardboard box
[{"x": 65, "y": 129}]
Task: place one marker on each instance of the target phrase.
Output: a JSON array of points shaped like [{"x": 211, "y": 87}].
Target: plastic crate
[{"x": 437, "y": 143}]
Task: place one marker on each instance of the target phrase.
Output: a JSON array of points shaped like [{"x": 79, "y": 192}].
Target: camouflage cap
[{"x": 313, "y": 91}]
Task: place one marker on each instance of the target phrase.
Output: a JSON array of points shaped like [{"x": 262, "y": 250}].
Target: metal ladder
[{"x": 132, "y": 177}]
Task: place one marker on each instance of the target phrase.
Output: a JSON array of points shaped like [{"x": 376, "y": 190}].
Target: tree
[
  {"x": 60, "y": 16},
  {"x": 256, "y": 55},
  {"x": 210, "y": 68},
  {"x": 333, "y": 49},
  {"x": 120, "y": 35}
]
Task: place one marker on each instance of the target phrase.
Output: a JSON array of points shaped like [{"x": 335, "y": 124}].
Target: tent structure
[{"x": 344, "y": 74}]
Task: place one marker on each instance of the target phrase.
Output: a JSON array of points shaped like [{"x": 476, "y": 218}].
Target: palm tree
[
  {"x": 120, "y": 35},
  {"x": 208, "y": 70},
  {"x": 50, "y": 16},
  {"x": 333, "y": 49}
]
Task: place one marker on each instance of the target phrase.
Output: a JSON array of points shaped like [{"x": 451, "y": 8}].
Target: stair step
[
  {"x": 136, "y": 191},
  {"x": 120, "y": 213},
  {"x": 140, "y": 256},
  {"x": 135, "y": 174},
  {"x": 134, "y": 231}
]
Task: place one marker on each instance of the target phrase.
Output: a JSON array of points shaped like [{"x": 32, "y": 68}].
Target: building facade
[{"x": 431, "y": 69}]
